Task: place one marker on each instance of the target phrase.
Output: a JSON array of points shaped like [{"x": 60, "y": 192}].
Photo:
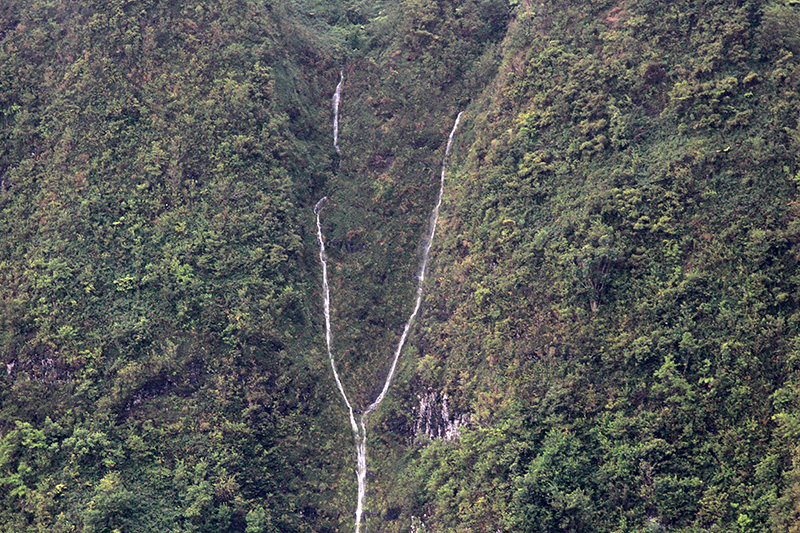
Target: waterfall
[
  {"x": 326, "y": 298},
  {"x": 337, "y": 96},
  {"x": 360, "y": 427},
  {"x": 421, "y": 278}
]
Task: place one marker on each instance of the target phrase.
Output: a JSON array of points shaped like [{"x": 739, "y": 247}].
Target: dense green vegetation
[
  {"x": 617, "y": 299},
  {"x": 154, "y": 320},
  {"x": 613, "y": 298}
]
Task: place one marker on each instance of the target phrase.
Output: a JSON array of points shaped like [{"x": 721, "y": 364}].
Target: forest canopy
[{"x": 609, "y": 331}]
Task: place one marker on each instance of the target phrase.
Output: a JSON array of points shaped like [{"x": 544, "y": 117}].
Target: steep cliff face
[
  {"x": 607, "y": 338},
  {"x": 616, "y": 300},
  {"x": 153, "y": 312}
]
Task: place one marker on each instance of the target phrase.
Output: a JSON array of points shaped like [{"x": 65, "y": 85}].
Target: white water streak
[
  {"x": 361, "y": 472},
  {"x": 360, "y": 429},
  {"x": 337, "y": 96},
  {"x": 326, "y": 297},
  {"x": 423, "y": 268}
]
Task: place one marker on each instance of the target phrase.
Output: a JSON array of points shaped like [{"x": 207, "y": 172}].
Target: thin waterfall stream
[
  {"x": 337, "y": 96},
  {"x": 359, "y": 426}
]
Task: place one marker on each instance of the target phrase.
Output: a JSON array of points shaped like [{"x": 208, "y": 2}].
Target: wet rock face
[
  {"x": 434, "y": 419},
  {"x": 39, "y": 368}
]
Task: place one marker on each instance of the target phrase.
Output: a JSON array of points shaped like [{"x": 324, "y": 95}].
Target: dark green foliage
[
  {"x": 625, "y": 212},
  {"x": 612, "y": 300},
  {"x": 152, "y": 302}
]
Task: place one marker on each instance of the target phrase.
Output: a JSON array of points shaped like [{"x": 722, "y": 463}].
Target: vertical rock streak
[{"x": 359, "y": 427}]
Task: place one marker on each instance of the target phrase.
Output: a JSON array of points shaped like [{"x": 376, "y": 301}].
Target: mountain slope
[
  {"x": 153, "y": 316},
  {"x": 616, "y": 299},
  {"x": 609, "y": 331}
]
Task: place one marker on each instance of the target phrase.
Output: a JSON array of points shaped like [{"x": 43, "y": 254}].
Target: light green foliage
[
  {"x": 622, "y": 191},
  {"x": 612, "y": 296},
  {"x": 149, "y": 284}
]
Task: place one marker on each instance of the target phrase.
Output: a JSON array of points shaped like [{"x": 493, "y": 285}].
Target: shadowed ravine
[{"x": 360, "y": 427}]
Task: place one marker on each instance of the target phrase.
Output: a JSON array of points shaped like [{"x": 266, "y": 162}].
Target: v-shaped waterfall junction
[{"x": 359, "y": 423}]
